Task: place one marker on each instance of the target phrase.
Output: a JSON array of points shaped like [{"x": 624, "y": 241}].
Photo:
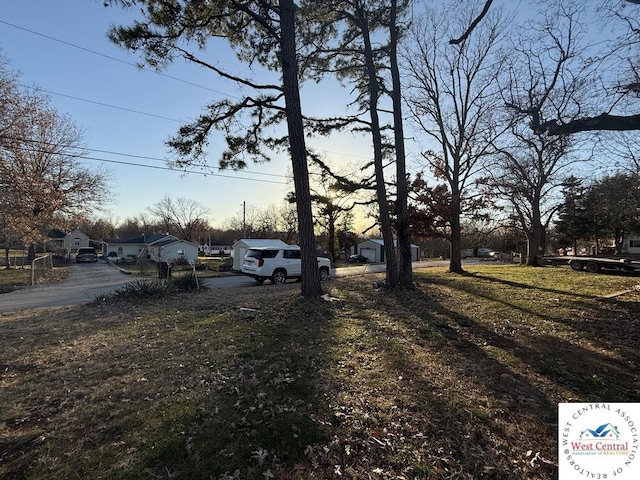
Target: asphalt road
[
  {"x": 84, "y": 282},
  {"x": 87, "y": 280}
]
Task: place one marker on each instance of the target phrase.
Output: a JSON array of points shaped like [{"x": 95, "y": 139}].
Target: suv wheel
[
  {"x": 278, "y": 277},
  {"x": 324, "y": 274}
]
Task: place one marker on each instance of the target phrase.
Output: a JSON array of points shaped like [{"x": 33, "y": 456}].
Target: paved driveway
[{"x": 85, "y": 281}]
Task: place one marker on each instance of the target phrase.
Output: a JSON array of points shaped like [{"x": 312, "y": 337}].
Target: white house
[
  {"x": 172, "y": 250},
  {"x": 136, "y": 247},
  {"x": 241, "y": 247},
  {"x": 159, "y": 248},
  {"x": 67, "y": 242},
  {"x": 216, "y": 249},
  {"x": 373, "y": 249}
]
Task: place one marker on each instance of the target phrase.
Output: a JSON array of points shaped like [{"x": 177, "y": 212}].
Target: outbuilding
[
  {"x": 173, "y": 251},
  {"x": 241, "y": 247},
  {"x": 630, "y": 244},
  {"x": 373, "y": 249}
]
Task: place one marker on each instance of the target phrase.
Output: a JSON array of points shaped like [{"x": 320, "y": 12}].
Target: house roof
[
  {"x": 169, "y": 240},
  {"x": 142, "y": 239},
  {"x": 56, "y": 233}
]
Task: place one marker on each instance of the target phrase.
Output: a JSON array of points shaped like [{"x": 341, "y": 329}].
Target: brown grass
[{"x": 457, "y": 379}]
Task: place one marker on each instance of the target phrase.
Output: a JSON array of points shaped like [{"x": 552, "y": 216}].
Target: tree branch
[
  {"x": 601, "y": 122},
  {"x": 474, "y": 24}
]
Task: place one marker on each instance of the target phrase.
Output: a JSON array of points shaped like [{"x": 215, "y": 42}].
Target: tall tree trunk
[
  {"x": 381, "y": 191},
  {"x": 6, "y": 257},
  {"x": 455, "y": 263},
  {"x": 31, "y": 253},
  {"x": 310, "y": 274},
  {"x": 535, "y": 239},
  {"x": 405, "y": 272},
  {"x": 332, "y": 234}
]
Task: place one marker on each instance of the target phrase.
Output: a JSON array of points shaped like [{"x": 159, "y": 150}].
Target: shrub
[
  {"x": 184, "y": 282},
  {"x": 141, "y": 288}
]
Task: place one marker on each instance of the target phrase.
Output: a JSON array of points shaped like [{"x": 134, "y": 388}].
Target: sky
[{"x": 127, "y": 114}]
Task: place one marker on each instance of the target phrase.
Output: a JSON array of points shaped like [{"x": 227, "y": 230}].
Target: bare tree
[
  {"x": 621, "y": 148},
  {"x": 542, "y": 74},
  {"x": 609, "y": 73},
  {"x": 44, "y": 183},
  {"x": 452, "y": 97},
  {"x": 621, "y": 94},
  {"x": 181, "y": 217},
  {"x": 528, "y": 174}
]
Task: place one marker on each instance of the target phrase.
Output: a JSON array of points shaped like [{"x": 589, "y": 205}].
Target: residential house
[
  {"x": 173, "y": 250},
  {"x": 216, "y": 249},
  {"x": 65, "y": 243},
  {"x": 156, "y": 247}
]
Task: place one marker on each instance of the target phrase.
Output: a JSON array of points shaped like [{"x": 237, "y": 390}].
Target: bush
[
  {"x": 184, "y": 282},
  {"x": 141, "y": 288},
  {"x": 152, "y": 288}
]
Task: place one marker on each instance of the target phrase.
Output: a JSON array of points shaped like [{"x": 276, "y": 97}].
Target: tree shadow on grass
[
  {"x": 494, "y": 393},
  {"x": 606, "y": 322},
  {"x": 418, "y": 384},
  {"x": 182, "y": 390}
]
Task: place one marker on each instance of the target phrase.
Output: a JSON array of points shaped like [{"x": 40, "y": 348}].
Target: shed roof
[
  {"x": 261, "y": 242},
  {"x": 380, "y": 241}
]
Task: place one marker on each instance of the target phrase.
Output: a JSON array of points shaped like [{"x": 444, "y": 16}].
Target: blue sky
[
  {"x": 61, "y": 47},
  {"x": 127, "y": 114}
]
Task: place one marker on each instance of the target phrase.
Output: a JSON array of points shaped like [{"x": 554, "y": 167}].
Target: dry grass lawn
[{"x": 459, "y": 379}]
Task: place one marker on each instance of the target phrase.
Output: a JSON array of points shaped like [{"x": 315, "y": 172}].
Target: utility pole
[{"x": 244, "y": 219}]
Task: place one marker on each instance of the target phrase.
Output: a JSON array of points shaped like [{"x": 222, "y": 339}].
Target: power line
[
  {"x": 156, "y": 167},
  {"x": 196, "y": 172},
  {"x": 104, "y": 104},
  {"x": 138, "y": 67}
]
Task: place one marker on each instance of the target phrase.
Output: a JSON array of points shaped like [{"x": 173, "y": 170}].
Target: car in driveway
[
  {"x": 86, "y": 254},
  {"x": 279, "y": 264},
  {"x": 357, "y": 259}
]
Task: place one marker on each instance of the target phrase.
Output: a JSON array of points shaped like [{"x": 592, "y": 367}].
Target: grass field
[{"x": 459, "y": 379}]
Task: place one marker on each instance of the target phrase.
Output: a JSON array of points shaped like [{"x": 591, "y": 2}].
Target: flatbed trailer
[{"x": 593, "y": 264}]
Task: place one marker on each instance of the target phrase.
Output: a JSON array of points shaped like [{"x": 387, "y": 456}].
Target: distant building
[
  {"x": 241, "y": 247},
  {"x": 373, "y": 249}
]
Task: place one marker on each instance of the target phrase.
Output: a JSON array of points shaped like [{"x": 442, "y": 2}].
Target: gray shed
[
  {"x": 241, "y": 247},
  {"x": 373, "y": 249}
]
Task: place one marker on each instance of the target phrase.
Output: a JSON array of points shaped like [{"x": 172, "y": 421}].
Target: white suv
[{"x": 278, "y": 264}]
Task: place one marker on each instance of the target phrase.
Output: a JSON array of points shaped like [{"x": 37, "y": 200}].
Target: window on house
[
  {"x": 76, "y": 242},
  {"x": 181, "y": 253},
  {"x": 634, "y": 243},
  {"x": 120, "y": 251}
]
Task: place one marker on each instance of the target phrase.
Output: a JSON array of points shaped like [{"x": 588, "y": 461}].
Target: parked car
[
  {"x": 357, "y": 259},
  {"x": 466, "y": 253},
  {"x": 86, "y": 254},
  {"x": 485, "y": 253},
  {"x": 279, "y": 264}
]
